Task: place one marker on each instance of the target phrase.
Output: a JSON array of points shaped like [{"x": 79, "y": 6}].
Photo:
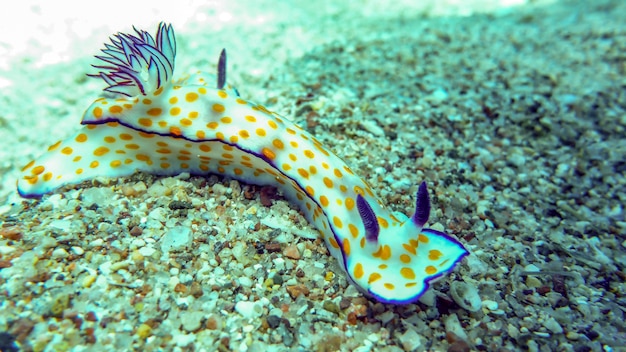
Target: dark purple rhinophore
[
  {"x": 369, "y": 219},
  {"x": 422, "y": 206},
  {"x": 221, "y": 70}
]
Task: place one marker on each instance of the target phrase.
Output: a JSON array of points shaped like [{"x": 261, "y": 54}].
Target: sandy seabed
[{"x": 515, "y": 117}]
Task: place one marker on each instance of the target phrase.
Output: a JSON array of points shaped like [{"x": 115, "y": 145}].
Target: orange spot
[
  {"x": 324, "y": 201},
  {"x": 272, "y": 124},
  {"x": 100, "y": 151},
  {"x": 343, "y": 188},
  {"x": 94, "y": 164},
  {"x": 290, "y": 131},
  {"x": 309, "y": 154},
  {"x": 175, "y": 111},
  {"x": 202, "y": 90},
  {"x": 333, "y": 242},
  {"x": 244, "y": 134},
  {"x": 173, "y": 100},
  {"x": 278, "y": 143},
  {"x": 303, "y": 173},
  {"x": 190, "y": 97},
  {"x": 29, "y": 165},
  {"x": 176, "y": 131},
  {"x": 349, "y": 203},
  {"x": 212, "y": 125},
  {"x": 109, "y": 139},
  {"x": 158, "y": 91},
  {"x": 422, "y": 238},
  {"x": 132, "y": 146},
  {"x": 222, "y": 94},
  {"x": 386, "y": 254},
  {"x": 312, "y": 170},
  {"x": 292, "y": 157},
  {"x": 261, "y": 132},
  {"x": 346, "y": 246},
  {"x": 434, "y": 254},
  {"x": 115, "y": 163},
  {"x": 115, "y": 109},
  {"x": 353, "y": 230},
  {"x": 38, "y": 170},
  {"x": 162, "y": 124},
  {"x": 67, "y": 150},
  {"x": 309, "y": 190},
  {"x": 373, "y": 278},
  {"x": 186, "y": 122},
  {"x": 226, "y": 119},
  {"x": 238, "y": 171},
  {"x": 358, "y": 271},
  {"x": 337, "y": 222},
  {"x": 79, "y": 171},
  {"x": 294, "y": 144},
  {"x": 218, "y": 108},
  {"x": 54, "y": 146},
  {"x": 409, "y": 249},
  {"x": 358, "y": 189},
  {"x": 81, "y": 138},
  {"x": 97, "y": 112},
  {"x": 328, "y": 182},
  {"x": 389, "y": 286},
  {"x": 250, "y": 118},
  {"x": 268, "y": 153},
  {"x": 193, "y": 114},
  {"x": 200, "y": 134},
  {"x": 407, "y": 273},
  {"x": 241, "y": 101},
  {"x": 430, "y": 270},
  {"x": 144, "y": 121},
  {"x": 338, "y": 173},
  {"x": 165, "y": 165},
  {"x": 205, "y": 148},
  {"x": 147, "y": 101},
  {"x": 405, "y": 258},
  {"x": 154, "y": 111},
  {"x": 383, "y": 222}
]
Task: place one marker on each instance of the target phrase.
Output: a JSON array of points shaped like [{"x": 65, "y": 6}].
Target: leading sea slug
[{"x": 148, "y": 121}]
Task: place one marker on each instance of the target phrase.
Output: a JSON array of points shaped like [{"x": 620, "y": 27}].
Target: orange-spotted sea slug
[{"x": 152, "y": 123}]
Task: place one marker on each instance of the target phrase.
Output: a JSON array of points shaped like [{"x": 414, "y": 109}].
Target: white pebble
[
  {"x": 410, "y": 340},
  {"x": 245, "y": 281},
  {"x": 554, "y": 326},
  {"x": 177, "y": 238},
  {"x": 77, "y": 250},
  {"x": 59, "y": 253},
  {"x": 453, "y": 325},
  {"x": 465, "y": 295},
  {"x": 191, "y": 320},
  {"x": 249, "y": 309}
]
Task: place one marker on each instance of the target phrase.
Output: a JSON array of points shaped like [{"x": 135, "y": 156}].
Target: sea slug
[{"x": 149, "y": 122}]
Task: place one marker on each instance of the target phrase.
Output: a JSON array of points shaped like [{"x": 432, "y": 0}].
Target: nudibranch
[{"x": 149, "y": 122}]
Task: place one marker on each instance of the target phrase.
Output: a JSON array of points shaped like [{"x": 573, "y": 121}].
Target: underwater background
[{"x": 514, "y": 112}]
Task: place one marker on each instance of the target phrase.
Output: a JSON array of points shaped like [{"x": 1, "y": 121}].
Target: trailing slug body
[{"x": 152, "y": 123}]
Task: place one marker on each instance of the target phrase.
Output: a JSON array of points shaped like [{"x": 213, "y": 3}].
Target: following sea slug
[{"x": 148, "y": 121}]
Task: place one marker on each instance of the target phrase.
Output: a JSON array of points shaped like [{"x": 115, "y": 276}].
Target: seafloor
[{"x": 515, "y": 118}]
